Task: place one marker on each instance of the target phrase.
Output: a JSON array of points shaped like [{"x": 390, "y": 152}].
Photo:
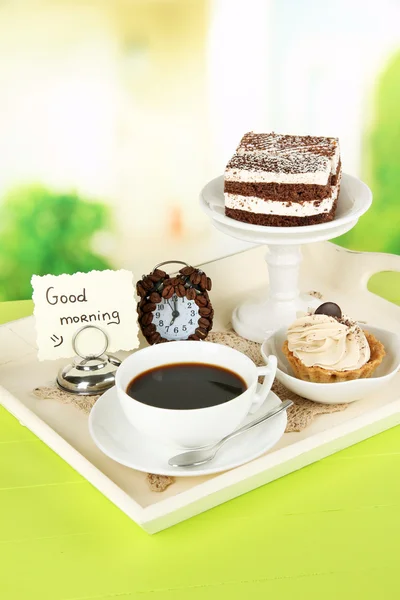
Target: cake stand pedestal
[{"x": 258, "y": 320}]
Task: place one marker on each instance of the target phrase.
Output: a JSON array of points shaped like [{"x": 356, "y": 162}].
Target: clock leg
[{"x": 257, "y": 321}]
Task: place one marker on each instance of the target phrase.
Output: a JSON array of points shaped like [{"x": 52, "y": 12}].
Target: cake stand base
[{"x": 257, "y": 321}]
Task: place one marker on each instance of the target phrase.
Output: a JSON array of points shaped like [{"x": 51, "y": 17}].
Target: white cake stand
[{"x": 258, "y": 320}]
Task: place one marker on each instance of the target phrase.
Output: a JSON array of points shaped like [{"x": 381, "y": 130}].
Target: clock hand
[{"x": 175, "y": 312}]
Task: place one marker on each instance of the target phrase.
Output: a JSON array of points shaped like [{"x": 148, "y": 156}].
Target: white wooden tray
[{"x": 340, "y": 275}]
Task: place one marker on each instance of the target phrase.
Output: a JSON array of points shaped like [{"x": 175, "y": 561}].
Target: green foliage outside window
[{"x": 45, "y": 232}]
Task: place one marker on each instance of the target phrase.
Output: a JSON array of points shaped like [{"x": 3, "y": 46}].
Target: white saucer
[{"x": 112, "y": 433}]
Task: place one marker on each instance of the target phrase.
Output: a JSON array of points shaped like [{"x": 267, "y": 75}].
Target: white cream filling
[
  {"x": 273, "y": 207},
  {"x": 248, "y": 176}
]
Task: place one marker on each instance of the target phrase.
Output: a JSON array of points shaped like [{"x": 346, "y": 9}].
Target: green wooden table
[{"x": 330, "y": 531}]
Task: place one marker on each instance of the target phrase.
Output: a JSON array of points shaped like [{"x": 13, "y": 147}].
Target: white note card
[{"x": 66, "y": 303}]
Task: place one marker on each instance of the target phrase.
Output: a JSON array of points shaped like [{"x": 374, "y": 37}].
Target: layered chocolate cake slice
[{"x": 283, "y": 180}]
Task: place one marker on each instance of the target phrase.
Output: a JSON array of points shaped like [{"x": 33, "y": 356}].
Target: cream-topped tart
[{"x": 327, "y": 347}]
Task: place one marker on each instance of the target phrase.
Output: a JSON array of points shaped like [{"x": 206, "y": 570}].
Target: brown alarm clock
[{"x": 174, "y": 308}]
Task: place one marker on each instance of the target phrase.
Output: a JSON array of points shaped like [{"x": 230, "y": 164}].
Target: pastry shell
[{"x": 319, "y": 375}]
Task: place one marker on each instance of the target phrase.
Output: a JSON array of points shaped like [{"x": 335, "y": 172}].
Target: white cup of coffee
[{"x": 191, "y": 418}]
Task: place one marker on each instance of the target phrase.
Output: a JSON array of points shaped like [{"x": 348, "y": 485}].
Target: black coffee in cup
[{"x": 185, "y": 386}]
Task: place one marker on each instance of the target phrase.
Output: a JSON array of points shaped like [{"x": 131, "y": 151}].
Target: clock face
[{"x": 176, "y": 318}]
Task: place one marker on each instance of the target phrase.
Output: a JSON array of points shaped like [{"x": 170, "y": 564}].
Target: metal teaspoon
[{"x": 192, "y": 458}]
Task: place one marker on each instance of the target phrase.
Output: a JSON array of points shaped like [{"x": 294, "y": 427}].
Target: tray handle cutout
[
  {"x": 365, "y": 265},
  {"x": 380, "y": 275}
]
